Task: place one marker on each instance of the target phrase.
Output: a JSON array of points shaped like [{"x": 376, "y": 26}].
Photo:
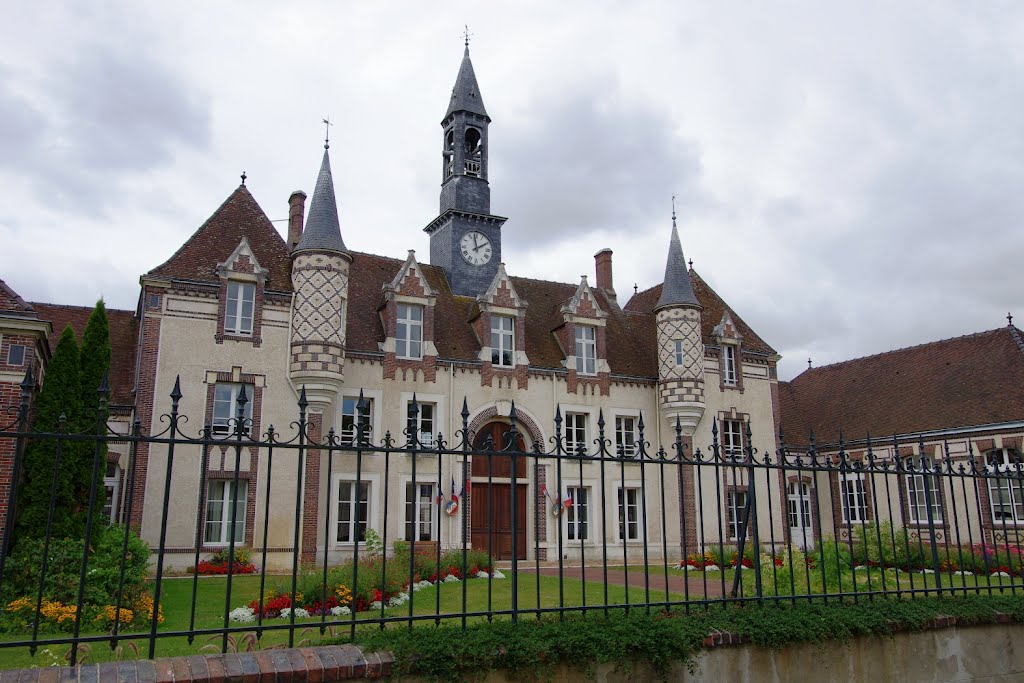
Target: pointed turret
[
  {"x": 322, "y": 231},
  {"x": 320, "y": 268},
  {"x": 466, "y": 93},
  {"x": 680, "y": 341}
]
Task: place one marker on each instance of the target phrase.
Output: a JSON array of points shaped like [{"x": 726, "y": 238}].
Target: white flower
[
  {"x": 420, "y": 585},
  {"x": 497, "y": 575},
  {"x": 242, "y": 614},
  {"x": 340, "y": 611},
  {"x": 711, "y": 568},
  {"x": 964, "y": 573},
  {"x": 299, "y": 613},
  {"x": 1002, "y": 574},
  {"x": 481, "y": 575},
  {"x": 859, "y": 567},
  {"x": 375, "y": 605},
  {"x": 451, "y": 578},
  {"x": 927, "y": 571},
  {"x": 398, "y": 599}
]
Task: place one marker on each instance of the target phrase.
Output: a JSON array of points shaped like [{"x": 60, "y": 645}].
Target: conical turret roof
[
  {"x": 466, "y": 93},
  {"x": 677, "y": 290},
  {"x": 323, "y": 229}
]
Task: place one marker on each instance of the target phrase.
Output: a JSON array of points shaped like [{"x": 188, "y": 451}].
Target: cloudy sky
[{"x": 850, "y": 176}]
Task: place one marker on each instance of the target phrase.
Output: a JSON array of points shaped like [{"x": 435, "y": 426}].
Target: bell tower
[{"x": 465, "y": 238}]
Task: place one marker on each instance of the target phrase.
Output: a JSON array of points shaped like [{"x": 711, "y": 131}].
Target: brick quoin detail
[
  {"x": 311, "y": 499},
  {"x": 144, "y": 397},
  {"x": 427, "y": 365},
  {"x": 687, "y": 502}
]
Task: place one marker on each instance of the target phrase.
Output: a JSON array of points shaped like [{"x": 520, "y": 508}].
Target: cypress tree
[
  {"x": 94, "y": 365},
  {"x": 60, "y": 395}
]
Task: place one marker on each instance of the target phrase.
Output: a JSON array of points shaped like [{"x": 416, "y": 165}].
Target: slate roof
[
  {"x": 323, "y": 229},
  {"x": 12, "y": 304},
  {"x": 631, "y": 333},
  {"x": 676, "y": 287},
  {"x": 123, "y": 336},
  {"x": 646, "y": 301},
  {"x": 466, "y": 93},
  {"x": 961, "y": 382},
  {"x": 239, "y": 216}
]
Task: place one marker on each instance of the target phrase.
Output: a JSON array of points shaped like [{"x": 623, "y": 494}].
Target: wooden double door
[{"x": 491, "y": 519}]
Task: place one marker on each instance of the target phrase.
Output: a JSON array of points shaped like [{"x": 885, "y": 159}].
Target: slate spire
[
  {"x": 677, "y": 289},
  {"x": 323, "y": 229},
  {"x": 466, "y": 93}
]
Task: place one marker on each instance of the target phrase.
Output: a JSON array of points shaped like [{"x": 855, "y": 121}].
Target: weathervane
[
  {"x": 327, "y": 133},
  {"x": 244, "y": 177},
  {"x": 1009, "y": 319},
  {"x": 808, "y": 363},
  {"x": 673, "y": 211},
  {"x": 466, "y": 35}
]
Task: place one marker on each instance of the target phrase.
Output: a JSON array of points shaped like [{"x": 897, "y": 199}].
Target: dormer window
[
  {"x": 502, "y": 341},
  {"x": 586, "y": 350},
  {"x": 238, "y": 312},
  {"x": 409, "y": 332},
  {"x": 729, "y": 365}
]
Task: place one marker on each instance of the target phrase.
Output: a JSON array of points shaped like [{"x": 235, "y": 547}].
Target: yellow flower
[
  {"x": 343, "y": 593},
  {"x": 109, "y": 614},
  {"x": 20, "y": 604}
]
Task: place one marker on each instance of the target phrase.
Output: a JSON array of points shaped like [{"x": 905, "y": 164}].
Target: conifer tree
[
  {"x": 94, "y": 365},
  {"x": 60, "y": 396}
]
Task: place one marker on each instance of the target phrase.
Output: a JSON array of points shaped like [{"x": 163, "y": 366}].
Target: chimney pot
[{"x": 296, "y": 215}]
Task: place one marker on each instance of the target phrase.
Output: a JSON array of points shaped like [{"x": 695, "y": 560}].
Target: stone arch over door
[{"x": 525, "y": 424}]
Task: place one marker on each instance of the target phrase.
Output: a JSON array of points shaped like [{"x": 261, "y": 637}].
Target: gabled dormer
[
  {"x": 499, "y": 322},
  {"x": 407, "y": 316},
  {"x": 240, "y": 300},
  {"x": 730, "y": 353},
  {"x": 584, "y": 340}
]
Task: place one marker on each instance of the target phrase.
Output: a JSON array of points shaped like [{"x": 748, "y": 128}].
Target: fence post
[
  {"x": 154, "y": 620},
  {"x": 926, "y": 477}
]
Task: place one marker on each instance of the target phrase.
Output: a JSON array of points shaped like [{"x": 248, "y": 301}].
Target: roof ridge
[
  {"x": 1015, "y": 335},
  {"x": 203, "y": 225},
  {"x": 84, "y": 308},
  {"x": 905, "y": 348}
]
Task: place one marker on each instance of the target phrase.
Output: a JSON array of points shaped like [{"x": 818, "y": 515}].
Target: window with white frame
[
  {"x": 16, "y": 354},
  {"x": 729, "y": 365},
  {"x": 225, "y": 407},
  {"x": 586, "y": 350},
  {"x": 1005, "y": 487},
  {"x": 353, "y": 511},
  {"x": 220, "y": 494},
  {"x": 853, "y": 498},
  {"x": 629, "y": 514},
  {"x": 732, "y": 439},
  {"x": 419, "y": 511},
  {"x": 112, "y": 489},
  {"x": 680, "y": 351},
  {"x": 503, "y": 341},
  {"x": 409, "y": 332},
  {"x": 625, "y": 435},
  {"x": 577, "y": 515},
  {"x": 350, "y": 420},
  {"x": 917, "y": 496},
  {"x": 575, "y": 432},
  {"x": 424, "y": 425},
  {"x": 239, "y": 307},
  {"x": 736, "y": 502}
]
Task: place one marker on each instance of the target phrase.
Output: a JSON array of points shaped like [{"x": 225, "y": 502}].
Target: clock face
[{"x": 475, "y": 248}]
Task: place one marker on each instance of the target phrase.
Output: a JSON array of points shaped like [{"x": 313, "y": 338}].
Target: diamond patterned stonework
[
  {"x": 321, "y": 289},
  {"x": 682, "y": 324}
]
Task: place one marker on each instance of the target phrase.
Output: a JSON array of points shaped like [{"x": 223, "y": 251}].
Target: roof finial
[
  {"x": 808, "y": 363},
  {"x": 466, "y": 35},
  {"x": 1009, "y": 319},
  {"x": 690, "y": 263},
  {"x": 244, "y": 177},
  {"x": 673, "y": 211},
  {"x": 327, "y": 133},
  {"x": 635, "y": 288}
]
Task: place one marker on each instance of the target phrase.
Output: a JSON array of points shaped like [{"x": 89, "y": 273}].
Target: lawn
[{"x": 210, "y": 602}]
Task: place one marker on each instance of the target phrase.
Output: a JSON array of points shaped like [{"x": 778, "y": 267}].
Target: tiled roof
[
  {"x": 962, "y": 382},
  {"x": 646, "y": 301},
  {"x": 239, "y": 216},
  {"x": 466, "y": 93},
  {"x": 12, "y": 304},
  {"x": 123, "y": 336},
  {"x": 676, "y": 287},
  {"x": 323, "y": 229}
]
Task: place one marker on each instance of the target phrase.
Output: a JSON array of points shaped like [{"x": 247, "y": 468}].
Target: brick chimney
[
  {"x": 603, "y": 262},
  {"x": 296, "y": 212}
]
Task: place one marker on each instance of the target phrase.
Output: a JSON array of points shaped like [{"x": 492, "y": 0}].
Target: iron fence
[{"x": 582, "y": 523}]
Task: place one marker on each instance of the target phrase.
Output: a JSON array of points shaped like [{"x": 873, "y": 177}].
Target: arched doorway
[{"x": 491, "y": 518}]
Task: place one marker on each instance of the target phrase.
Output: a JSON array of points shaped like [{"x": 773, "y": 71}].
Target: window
[
  {"x": 419, "y": 511},
  {"x": 112, "y": 487},
  {"x": 629, "y": 514},
  {"x": 1004, "y": 492},
  {"x": 732, "y": 440},
  {"x": 575, "y": 432},
  {"x": 586, "y": 350},
  {"x": 917, "y": 496},
  {"x": 502, "y": 341},
  {"x": 238, "y": 311},
  {"x": 219, "y": 496},
  {"x": 679, "y": 351},
  {"x": 852, "y": 498},
  {"x": 577, "y": 515},
  {"x": 409, "y": 335},
  {"x": 349, "y": 418},
  {"x": 15, "y": 354},
  {"x": 729, "y": 365},
  {"x": 353, "y": 511},
  {"x": 423, "y": 425},
  {"x": 737, "y": 504},
  {"x": 225, "y": 407},
  {"x": 625, "y": 435}
]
